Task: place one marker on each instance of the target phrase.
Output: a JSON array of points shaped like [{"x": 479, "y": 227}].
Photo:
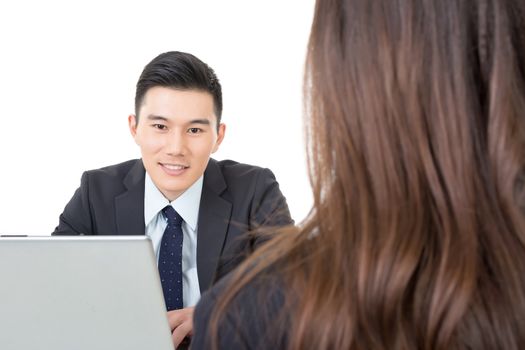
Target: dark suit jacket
[
  {"x": 235, "y": 198},
  {"x": 257, "y": 317}
]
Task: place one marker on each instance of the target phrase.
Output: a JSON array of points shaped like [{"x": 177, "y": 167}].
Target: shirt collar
[{"x": 187, "y": 204}]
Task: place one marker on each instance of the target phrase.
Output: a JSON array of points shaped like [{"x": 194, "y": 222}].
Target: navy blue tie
[{"x": 170, "y": 260}]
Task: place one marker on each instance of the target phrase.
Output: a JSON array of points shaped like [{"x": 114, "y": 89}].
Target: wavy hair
[{"x": 415, "y": 120}]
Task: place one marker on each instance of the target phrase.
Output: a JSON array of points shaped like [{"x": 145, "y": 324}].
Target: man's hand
[{"x": 181, "y": 324}]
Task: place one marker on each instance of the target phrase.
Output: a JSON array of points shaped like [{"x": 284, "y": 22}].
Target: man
[{"x": 194, "y": 208}]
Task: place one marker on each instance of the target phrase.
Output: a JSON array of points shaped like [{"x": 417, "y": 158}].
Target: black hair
[{"x": 179, "y": 70}]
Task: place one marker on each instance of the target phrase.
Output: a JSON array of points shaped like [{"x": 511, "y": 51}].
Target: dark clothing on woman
[{"x": 254, "y": 320}]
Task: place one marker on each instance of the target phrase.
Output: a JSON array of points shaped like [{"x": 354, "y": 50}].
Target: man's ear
[
  {"x": 220, "y": 137},
  {"x": 132, "y": 123}
]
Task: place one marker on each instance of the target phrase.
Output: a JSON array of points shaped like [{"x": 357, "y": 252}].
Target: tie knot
[{"x": 173, "y": 217}]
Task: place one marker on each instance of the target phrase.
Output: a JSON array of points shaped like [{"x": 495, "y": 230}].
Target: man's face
[{"x": 176, "y": 133}]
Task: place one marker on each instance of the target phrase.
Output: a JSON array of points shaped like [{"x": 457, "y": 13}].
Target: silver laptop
[{"x": 75, "y": 293}]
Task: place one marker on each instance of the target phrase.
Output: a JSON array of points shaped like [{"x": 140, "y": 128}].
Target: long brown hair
[{"x": 415, "y": 117}]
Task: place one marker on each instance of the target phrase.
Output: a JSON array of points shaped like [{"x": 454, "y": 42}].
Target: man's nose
[{"x": 175, "y": 144}]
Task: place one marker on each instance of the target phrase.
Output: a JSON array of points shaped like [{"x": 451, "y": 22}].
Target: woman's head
[{"x": 416, "y": 141}]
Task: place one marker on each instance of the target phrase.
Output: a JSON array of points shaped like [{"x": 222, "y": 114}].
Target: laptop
[{"x": 76, "y": 293}]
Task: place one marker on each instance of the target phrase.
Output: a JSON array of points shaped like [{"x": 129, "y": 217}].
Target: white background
[{"x": 68, "y": 71}]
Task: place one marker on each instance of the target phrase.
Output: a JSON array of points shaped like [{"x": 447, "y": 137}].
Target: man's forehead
[{"x": 179, "y": 93}]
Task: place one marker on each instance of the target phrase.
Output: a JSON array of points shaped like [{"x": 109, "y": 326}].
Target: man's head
[{"x": 178, "y": 106}]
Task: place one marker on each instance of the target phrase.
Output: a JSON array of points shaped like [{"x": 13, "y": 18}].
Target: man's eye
[
  {"x": 160, "y": 126},
  {"x": 194, "y": 130}
]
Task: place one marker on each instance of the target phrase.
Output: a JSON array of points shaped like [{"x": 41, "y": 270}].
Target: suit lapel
[
  {"x": 214, "y": 218},
  {"x": 129, "y": 206}
]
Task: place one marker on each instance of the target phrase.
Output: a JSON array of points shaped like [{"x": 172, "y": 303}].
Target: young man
[{"x": 194, "y": 208}]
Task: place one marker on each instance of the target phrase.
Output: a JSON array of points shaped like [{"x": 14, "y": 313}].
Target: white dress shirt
[{"x": 187, "y": 205}]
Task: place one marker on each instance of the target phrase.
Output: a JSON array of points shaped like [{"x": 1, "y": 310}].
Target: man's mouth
[{"x": 174, "y": 166}]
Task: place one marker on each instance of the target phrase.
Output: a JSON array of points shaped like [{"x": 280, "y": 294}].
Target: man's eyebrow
[
  {"x": 156, "y": 117},
  {"x": 200, "y": 121}
]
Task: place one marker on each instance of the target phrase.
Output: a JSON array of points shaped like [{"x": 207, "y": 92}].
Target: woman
[{"x": 416, "y": 149}]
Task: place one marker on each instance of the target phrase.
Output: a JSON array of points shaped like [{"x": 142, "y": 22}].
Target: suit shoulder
[
  {"x": 245, "y": 181},
  {"x": 119, "y": 170},
  {"x": 233, "y": 170},
  {"x": 115, "y": 178}
]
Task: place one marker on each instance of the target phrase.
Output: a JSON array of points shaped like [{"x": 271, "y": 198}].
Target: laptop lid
[{"x": 82, "y": 292}]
